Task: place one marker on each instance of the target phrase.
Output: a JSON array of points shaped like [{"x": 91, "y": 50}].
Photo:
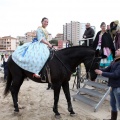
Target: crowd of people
[
  {"x": 107, "y": 46},
  {"x": 106, "y": 41}
]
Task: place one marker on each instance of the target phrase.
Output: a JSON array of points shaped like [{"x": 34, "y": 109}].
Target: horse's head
[{"x": 92, "y": 63}]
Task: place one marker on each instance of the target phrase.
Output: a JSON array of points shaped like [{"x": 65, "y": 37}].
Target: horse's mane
[{"x": 73, "y": 47}]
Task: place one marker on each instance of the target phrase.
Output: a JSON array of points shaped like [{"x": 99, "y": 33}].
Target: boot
[
  {"x": 49, "y": 86},
  {"x": 113, "y": 116}
]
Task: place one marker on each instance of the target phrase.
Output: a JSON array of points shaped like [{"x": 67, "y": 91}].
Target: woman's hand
[
  {"x": 99, "y": 72},
  {"x": 49, "y": 45}
]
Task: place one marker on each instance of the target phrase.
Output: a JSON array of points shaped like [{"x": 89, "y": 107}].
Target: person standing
[
  {"x": 117, "y": 38},
  {"x": 108, "y": 28},
  {"x": 103, "y": 44},
  {"x": 2, "y": 56},
  {"x": 113, "y": 28},
  {"x": 5, "y": 66},
  {"x": 113, "y": 73},
  {"x": 89, "y": 33}
]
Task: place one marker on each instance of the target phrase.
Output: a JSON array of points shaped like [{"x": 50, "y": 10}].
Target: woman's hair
[
  {"x": 43, "y": 19},
  {"x": 103, "y": 23}
]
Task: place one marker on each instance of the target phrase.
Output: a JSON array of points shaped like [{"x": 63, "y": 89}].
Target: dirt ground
[{"x": 38, "y": 103}]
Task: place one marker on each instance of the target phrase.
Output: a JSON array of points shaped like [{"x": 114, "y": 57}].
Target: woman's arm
[
  {"x": 41, "y": 38},
  {"x": 105, "y": 69},
  {"x": 112, "y": 75},
  {"x": 47, "y": 43}
]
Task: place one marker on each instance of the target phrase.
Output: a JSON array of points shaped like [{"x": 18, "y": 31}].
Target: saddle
[{"x": 45, "y": 72}]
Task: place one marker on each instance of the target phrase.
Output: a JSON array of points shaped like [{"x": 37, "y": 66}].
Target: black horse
[{"x": 61, "y": 66}]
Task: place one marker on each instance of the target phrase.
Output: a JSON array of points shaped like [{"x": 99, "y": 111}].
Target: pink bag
[{"x": 106, "y": 51}]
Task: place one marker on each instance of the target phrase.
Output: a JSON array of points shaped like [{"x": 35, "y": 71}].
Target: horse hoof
[
  {"x": 72, "y": 114},
  {"x": 16, "y": 113},
  {"x": 57, "y": 116},
  {"x": 16, "y": 110}
]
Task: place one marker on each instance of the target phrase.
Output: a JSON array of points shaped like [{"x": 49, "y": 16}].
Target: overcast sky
[{"x": 20, "y": 16}]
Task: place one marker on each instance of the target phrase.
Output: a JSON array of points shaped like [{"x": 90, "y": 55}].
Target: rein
[
  {"x": 88, "y": 72},
  {"x": 91, "y": 63},
  {"x": 63, "y": 63},
  {"x": 80, "y": 61}
]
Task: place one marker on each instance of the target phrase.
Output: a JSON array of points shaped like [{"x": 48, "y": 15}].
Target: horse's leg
[
  {"x": 21, "y": 81},
  {"x": 14, "y": 92},
  {"x": 57, "y": 88},
  {"x": 66, "y": 90}
]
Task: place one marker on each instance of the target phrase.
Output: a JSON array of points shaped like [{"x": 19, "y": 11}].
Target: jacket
[
  {"x": 113, "y": 73},
  {"x": 106, "y": 42},
  {"x": 89, "y": 33}
]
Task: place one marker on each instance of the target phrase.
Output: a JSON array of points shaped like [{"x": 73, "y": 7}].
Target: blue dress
[{"x": 33, "y": 55}]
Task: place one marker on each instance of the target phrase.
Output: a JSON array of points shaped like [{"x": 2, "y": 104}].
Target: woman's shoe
[
  {"x": 113, "y": 116},
  {"x": 36, "y": 75}
]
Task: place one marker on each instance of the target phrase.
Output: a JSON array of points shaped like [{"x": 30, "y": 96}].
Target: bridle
[
  {"x": 88, "y": 72},
  {"x": 54, "y": 54},
  {"x": 63, "y": 63},
  {"x": 80, "y": 61},
  {"x": 91, "y": 63}
]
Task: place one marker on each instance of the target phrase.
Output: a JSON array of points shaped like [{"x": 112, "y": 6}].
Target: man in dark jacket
[
  {"x": 5, "y": 66},
  {"x": 89, "y": 33},
  {"x": 113, "y": 73}
]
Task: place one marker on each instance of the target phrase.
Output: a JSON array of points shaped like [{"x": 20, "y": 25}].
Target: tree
[
  {"x": 54, "y": 42},
  {"x": 21, "y": 43}
]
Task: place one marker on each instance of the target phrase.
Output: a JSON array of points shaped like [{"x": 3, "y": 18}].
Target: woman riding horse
[{"x": 33, "y": 55}]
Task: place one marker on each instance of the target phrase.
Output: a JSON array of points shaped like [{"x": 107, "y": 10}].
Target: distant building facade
[
  {"x": 8, "y": 43},
  {"x": 63, "y": 44},
  {"x": 59, "y": 36},
  {"x": 49, "y": 37},
  {"x": 30, "y": 35}
]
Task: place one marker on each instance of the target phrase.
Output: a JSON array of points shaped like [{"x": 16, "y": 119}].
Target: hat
[
  {"x": 118, "y": 28},
  {"x": 116, "y": 22}
]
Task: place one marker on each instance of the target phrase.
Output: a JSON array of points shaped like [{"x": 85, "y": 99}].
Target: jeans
[{"x": 115, "y": 99}]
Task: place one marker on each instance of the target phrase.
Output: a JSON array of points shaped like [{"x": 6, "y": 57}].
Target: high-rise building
[{"x": 73, "y": 31}]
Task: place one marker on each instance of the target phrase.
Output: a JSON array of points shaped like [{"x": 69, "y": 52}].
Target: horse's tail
[{"x": 8, "y": 83}]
